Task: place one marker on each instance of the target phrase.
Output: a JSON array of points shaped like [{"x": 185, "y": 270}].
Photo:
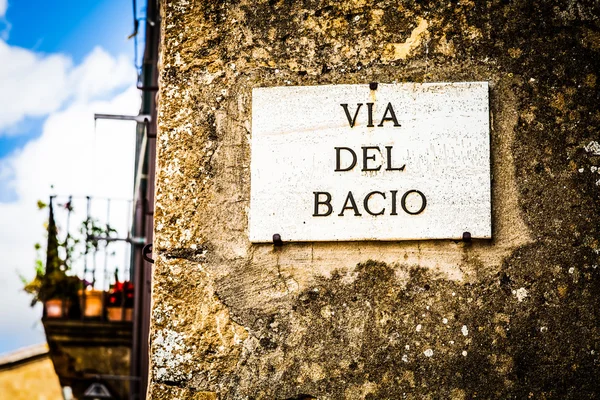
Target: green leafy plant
[
  {"x": 96, "y": 233},
  {"x": 53, "y": 285},
  {"x": 51, "y": 281}
]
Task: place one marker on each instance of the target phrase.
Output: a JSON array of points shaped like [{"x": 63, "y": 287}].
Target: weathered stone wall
[{"x": 515, "y": 317}]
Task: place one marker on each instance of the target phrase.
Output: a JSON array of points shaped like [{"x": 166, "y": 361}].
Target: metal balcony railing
[{"x": 87, "y": 272}]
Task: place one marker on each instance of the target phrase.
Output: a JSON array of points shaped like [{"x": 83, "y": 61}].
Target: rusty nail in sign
[
  {"x": 373, "y": 85},
  {"x": 277, "y": 240},
  {"x": 466, "y": 237}
]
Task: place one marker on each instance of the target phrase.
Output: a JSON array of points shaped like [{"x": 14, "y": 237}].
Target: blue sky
[
  {"x": 70, "y": 27},
  {"x": 60, "y": 62}
]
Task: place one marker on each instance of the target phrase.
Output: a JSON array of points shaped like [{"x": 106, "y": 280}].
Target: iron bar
[
  {"x": 105, "y": 286},
  {"x": 85, "y": 257},
  {"x": 69, "y": 209},
  {"x": 148, "y": 88},
  {"x": 137, "y": 118},
  {"x": 140, "y": 165},
  {"x": 138, "y": 241},
  {"x": 127, "y": 263}
]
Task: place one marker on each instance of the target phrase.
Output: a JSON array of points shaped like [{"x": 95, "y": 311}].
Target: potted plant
[
  {"x": 92, "y": 300},
  {"x": 120, "y": 301},
  {"x": 56, "y": 289},
  {"x": 52, "y": 285}
]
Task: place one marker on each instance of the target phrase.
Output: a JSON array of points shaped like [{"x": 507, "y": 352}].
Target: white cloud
[
  {"x": 35, "y": 85},
  {"x": 66, "y": 154},
  {"x": 3, "y": 7},
  {"x": 32, "y": 85},
  {"x": 73, "y": 153},
  {"x": 100, "y": 74}
]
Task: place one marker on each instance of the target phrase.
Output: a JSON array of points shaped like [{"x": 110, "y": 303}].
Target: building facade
[{"x": 510, "y": 316}]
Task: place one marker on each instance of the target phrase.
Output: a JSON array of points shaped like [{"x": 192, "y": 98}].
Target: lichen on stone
[{"x": 498, "y": 319}]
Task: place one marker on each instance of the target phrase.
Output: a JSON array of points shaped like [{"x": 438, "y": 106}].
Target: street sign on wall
[{"x": 370, "y": 162}]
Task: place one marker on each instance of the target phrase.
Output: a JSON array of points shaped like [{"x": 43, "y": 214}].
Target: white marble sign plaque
[{"x": 345, "y": 162}]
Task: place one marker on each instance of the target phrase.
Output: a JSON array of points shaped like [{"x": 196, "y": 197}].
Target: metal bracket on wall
[
  {"x": 147, "y": 250},
  {"x": 137, "y": 118},
  {"x": 148, "y": 88},
  {"x": 148, "y": 133}
]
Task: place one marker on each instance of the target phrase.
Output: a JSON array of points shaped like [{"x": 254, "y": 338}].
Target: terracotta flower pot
[
  {"x": 116, "y": 314},
  {"x": 56, "y": 308},
  {"x": 93, "y": 302}
]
